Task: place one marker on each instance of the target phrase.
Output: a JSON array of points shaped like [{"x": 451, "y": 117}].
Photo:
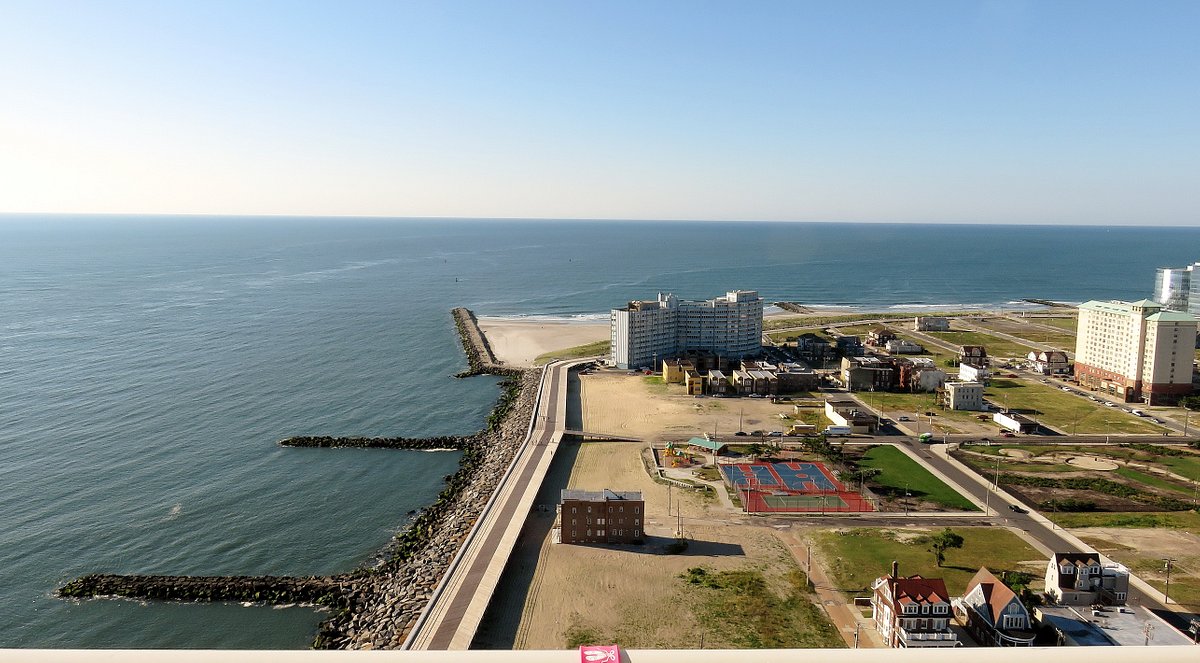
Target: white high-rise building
[
  {"x": 645, "y": 332},
  {"x": 1178, "y": 288},
  {"x": 1135, "y": 350}
]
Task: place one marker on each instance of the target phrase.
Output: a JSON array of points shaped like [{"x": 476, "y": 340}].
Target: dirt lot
[
  {"x": 630, "y": 405},
  {"x": 628, "y": 594}
]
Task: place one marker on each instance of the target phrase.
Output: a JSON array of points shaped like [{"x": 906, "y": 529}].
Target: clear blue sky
[{"x": 1026, "y": 112}]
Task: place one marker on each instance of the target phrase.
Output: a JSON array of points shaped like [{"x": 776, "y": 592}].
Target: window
[
  {"x": 637, "y": 532},
  {"x": 572, "y": 509}
]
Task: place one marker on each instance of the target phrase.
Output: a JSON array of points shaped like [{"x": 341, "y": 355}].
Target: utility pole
[
  {"x": 668, "y": 499},
  {"x": 1169, "y": 564},
  {"x": 906, "y": 493}
]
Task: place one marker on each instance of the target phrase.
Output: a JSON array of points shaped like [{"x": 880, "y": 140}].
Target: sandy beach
[{"x": 519, "y": 342}]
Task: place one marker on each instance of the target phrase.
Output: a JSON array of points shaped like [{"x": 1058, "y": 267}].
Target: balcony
[{"x": 928, "y": 638}]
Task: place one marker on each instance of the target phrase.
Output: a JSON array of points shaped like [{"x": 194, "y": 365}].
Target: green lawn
[
  {"x": 577, "y": 352},
  {"x": 996, "y": 346},
  {"x": 1060, "y": 340},
  {"x": 1070, "y": 324},
  {"x": 857, "y": 557},
  {"x": 1152, "y": 480},
  {"x": 901, "y": 472},
  {"x": 1189, "y": 520},
  {"x": 740, "y": 609},
  {"x": 1187, "y": 466},
  {"x": 823, "y": 320},
  {"x": 1066, "y": 412}
]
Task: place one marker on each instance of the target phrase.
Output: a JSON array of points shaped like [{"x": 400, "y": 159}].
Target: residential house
[
  {"x": 600, "y": 516},
  {"x": 902, "y": 346},
  {"x": 1053, "y": 362},
  {"x": 912, "y": 611},
  {"x": 794, "y": 377},
  {"x": 813, "y": 349},
  {"x": 867, "y": 374},
  {"x": 973, "y": 355},
  {"x": 994, "y": 614},
  {"x": 695, "y": 381},
  {"x": 849, "y": 346},
  {"x": 673, "y": 370},
  {"x": 927, "y": 324},
  {"x": 963, "y": 396},
  {"x": 742, "y": 382},
  {"x": 973, "y": 373},
  {"x": 1080, "y": 578},
  {"x": 718, "y": 384},
  {"x": 879, "y": 336},
  {"x": 919, "y": 374}
]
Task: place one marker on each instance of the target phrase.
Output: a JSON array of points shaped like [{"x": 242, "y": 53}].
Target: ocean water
[{"x": 148, "y": 365}]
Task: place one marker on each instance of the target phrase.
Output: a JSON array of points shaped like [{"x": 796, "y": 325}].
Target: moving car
[{"x": 1017, "y": 509}]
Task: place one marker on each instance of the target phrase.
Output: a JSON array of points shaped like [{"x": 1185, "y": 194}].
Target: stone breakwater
[
  {"x": 372, "y": 607},
  {"x": 480, "y": 357},
  {"x": 327, "y": 442}
]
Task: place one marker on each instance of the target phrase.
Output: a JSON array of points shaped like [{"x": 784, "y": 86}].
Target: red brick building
[{"x": 601, "y": 516}]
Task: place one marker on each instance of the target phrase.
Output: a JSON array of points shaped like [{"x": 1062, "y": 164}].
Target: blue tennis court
[{"x": 799, "y": 477}]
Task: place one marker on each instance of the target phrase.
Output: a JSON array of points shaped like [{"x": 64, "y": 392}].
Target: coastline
[{"x": 374, "y": 607}]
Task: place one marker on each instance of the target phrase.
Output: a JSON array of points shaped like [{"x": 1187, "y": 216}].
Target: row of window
[{"x": 617, "y": 532}]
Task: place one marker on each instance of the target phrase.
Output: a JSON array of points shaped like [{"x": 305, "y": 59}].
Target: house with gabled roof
[
  {"x": 912, "y": 611},
  {"x": 1082, "y": 578},
  {"x": 994, "y": 614}
]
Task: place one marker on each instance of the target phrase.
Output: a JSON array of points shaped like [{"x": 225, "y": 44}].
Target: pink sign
[{"x": 600, "y": 654}]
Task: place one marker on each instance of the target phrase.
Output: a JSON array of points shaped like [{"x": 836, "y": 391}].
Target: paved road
[
  {"x": 454, "y": 613},
  {"x": 1035, "y": 525}
]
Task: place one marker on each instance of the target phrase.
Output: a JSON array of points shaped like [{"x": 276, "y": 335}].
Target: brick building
[{"x": 601, "y": 516}]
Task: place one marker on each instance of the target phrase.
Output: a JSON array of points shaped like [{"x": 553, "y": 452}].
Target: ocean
[{"x": 148, "y": 366}]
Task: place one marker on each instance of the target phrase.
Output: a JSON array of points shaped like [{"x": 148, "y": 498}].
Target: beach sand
[{"x": 519, "y": 342}]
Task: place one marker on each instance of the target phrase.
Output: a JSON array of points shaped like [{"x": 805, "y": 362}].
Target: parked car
[
  {"x": 740, "y": 433},
  {"x": 1156, "y": 420},
  {"x": 904, "y": 419},
  {"x": 1008, "y": 434}
]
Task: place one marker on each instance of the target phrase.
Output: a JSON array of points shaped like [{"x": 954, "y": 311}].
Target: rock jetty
[
  {"x": 480, "y": 358},
  {"x": 375, "y": 607}
]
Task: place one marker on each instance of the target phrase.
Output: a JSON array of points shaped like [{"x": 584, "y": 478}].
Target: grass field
[
  {"x": 996, "y": 346},
  {"x": 1152, "y": 480},
  {"x": 1187, "y": 520},
  {"x": 857, "y": 557},
  {"x": 1066, "y": 412},
  {"x": 1187, "y": 466},
  {"x": 586, "y": 350},
  {"x": 740, "y": 608},
  {"x": 900, "y": 473},
  {"x": 1061, "y": 340},
  {"x": 1071, "y": 323}
]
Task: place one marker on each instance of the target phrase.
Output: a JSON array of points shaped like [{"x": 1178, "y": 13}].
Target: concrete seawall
[{"x": 375, "y": 607}]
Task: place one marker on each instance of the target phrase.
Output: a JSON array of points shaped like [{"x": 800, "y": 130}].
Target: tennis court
[{"x": 796, "y": 487}]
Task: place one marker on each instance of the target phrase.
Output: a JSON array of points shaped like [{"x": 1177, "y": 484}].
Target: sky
[{"x": 917, "y": 111}]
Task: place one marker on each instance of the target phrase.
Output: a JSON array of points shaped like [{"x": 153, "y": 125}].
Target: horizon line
[{"x": 380, "y": 217}]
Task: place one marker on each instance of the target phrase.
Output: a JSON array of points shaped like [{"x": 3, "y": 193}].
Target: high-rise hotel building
[
  {"x": 1178, "y": 288},
  {"x": 1135, "y": 350},
  {"x": 646, "y": 332}
]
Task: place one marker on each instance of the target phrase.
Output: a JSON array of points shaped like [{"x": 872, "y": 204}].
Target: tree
[
  {"x": 942, "y": 542},
  {"x": 1191, "y": 402}
]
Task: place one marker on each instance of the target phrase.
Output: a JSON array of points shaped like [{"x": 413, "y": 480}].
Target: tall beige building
[
  {"x": 1135, "y": 350},
  {"x": 645, "y": 332}
]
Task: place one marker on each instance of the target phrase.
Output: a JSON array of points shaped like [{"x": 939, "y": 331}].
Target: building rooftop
[
  {"x": 1124, "y": 626},
  {"x": 605, "y": 495},
  {"x": 1171, "y": 316}
]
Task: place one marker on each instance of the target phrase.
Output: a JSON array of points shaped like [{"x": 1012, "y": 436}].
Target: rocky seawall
[
  {"x": 420, "y": 443},
  {"x": 373, "y": 607}
]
